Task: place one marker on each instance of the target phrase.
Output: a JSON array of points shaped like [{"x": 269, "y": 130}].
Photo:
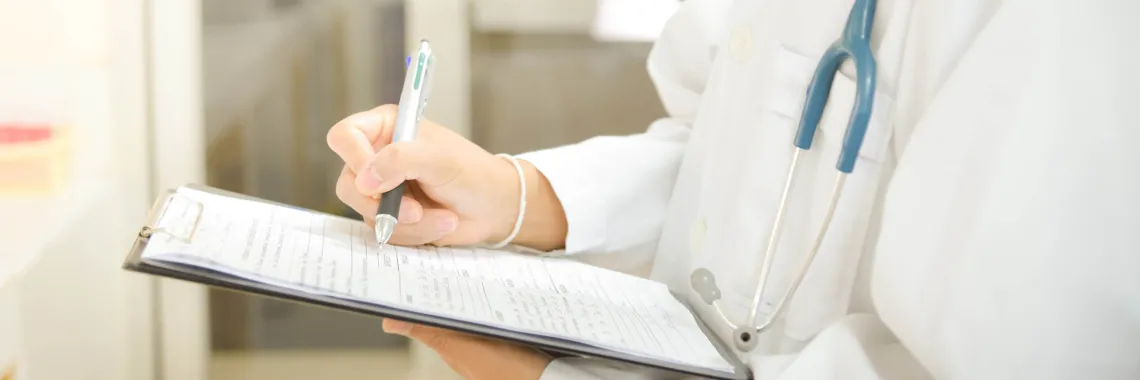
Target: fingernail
[
  {"x": 370, "y": 180},
  {"x": 446, "y": 224},
  {"x": 393, "y": 326}
]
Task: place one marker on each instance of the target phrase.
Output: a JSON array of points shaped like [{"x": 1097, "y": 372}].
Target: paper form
[{"x": 337, "y": 256}]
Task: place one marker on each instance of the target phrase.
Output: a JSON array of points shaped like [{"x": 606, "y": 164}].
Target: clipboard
[{"x": 556, "y": 346}]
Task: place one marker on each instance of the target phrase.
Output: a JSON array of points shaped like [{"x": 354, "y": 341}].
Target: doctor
[{"x": 987, "y": 231}]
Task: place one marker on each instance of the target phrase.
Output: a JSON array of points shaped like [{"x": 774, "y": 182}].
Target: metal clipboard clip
[{"x": 159, "y": 209}]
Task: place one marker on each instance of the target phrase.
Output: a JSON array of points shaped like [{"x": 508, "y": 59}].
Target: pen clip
[{"x": 429, "y": 78}]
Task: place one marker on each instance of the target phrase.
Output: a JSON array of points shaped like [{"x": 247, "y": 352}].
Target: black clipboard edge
[{"x": 134, "y": 263}]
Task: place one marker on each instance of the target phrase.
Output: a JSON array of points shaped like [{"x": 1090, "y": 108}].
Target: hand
[
  {"x": 456, "y": 192},
  {"x": 474, "y": 357}
]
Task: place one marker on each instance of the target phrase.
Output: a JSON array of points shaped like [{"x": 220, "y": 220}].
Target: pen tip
[{"x": 385, "y": 225}]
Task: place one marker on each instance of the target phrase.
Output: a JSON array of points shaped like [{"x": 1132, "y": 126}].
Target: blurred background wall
[{"x": 532, "y": 91}]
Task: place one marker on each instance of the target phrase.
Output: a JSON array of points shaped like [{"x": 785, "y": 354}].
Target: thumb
[{"x": 421, "y": 161}]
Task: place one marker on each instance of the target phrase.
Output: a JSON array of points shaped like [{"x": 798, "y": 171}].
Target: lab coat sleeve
[{"x": 614, "y": 189}]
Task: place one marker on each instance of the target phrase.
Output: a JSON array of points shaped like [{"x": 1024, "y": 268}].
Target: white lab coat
[{"x": 991, "y": 228}]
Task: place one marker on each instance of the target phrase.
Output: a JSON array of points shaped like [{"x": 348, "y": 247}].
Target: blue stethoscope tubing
[{"x": 855, "y": 43}]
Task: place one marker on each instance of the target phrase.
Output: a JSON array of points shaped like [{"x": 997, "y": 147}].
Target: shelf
[{"x": 31, "y": 223}]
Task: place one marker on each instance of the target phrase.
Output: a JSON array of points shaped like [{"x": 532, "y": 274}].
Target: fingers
[
  {"x": 356, "y": 138},
  {"x": 475, "y": 357},
  {"x": 415, "y": 225},
  {"x": 451, "y": 346},
  {"x": 411, "y": 211},
  {"x": 405, "y": 161},
  {"x": 434, "y": 224},
  {"x": 437, "y": 339}
]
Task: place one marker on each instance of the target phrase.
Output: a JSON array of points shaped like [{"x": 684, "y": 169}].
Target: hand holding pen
[
  {"x": 454, "y": 192},
  {"x": 413, "y": 101}
]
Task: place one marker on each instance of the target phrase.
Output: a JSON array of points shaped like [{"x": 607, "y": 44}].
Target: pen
[{"x": 413, "y": 101}]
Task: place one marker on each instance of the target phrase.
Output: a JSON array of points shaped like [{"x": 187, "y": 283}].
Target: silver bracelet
[{"x": 522, "y": 202}]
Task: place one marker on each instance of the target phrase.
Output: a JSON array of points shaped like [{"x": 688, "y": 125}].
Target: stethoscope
[{"x": 854, "y": 44}]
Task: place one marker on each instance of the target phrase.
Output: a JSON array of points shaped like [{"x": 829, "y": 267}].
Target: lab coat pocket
[{"x": 826, "y": 290}]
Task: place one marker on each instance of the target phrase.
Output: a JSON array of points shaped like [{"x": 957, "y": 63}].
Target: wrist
[
  {"x": 544, "y": 226},
  {"x": 544, "y": 223}
]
